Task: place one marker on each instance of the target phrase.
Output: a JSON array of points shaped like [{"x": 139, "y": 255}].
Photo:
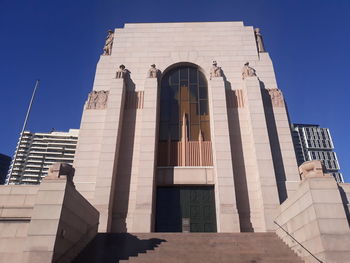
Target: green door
[{"x": 197, "y": 203}]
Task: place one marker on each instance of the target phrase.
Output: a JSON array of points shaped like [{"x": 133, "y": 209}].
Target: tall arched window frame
[{"x": 184, "y": 98}]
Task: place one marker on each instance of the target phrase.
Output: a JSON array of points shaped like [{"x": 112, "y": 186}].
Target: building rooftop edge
[{"x": 126, "y": 24}]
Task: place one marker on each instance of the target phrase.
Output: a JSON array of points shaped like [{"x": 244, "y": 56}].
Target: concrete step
[{"x": 187, "y": 248}]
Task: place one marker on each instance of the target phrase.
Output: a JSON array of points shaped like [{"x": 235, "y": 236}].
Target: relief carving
[
  {"x": 153, "y": 72},
  {"x": 107, "y": 49},
  {"x": 247, "y": 71},
  {"x": 276, "y": 97},
  {"x": 259, "y": 40},
  {"x": 122, "y": 73},
  {"x": 215, "y": 71},
  {"x": 97, "y": 100}
]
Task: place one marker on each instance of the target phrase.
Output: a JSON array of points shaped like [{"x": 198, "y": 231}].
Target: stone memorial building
[
  {"x": 185, "y": 122},
  {"x": 185, "y": 130}
]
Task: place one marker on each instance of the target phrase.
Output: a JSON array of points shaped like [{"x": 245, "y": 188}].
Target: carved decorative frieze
[
  {"x": 153, "y": 72},
  {"x": 215, "y": 71},
  {"x": 97, "y": 100},
  {"x": 276, "y": 97},
  {"x": 248, "y": 71},
  {"x": 134, "y": 100},
  {"x": 107, "y": 49},
  {"x": 234, "y": 98},
  {"x": 122, "y": 73}
]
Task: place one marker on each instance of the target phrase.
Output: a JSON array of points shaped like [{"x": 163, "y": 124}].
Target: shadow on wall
[
  {"x": 238, "y": 165},
  {"x": 275, "y": 144},
  {"x": 124, "y": 168},
  {"x": 346, "y": 203},
  {"x": 111, "y": 248}
]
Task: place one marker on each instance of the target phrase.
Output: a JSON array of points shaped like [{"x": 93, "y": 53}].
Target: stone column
[
  {"x": 264, "y": 169},
  {"x": 225, "y": 200},
  {"x": 145, "y": 190},
  {"x": 109, "y": 154},
  {"x": 87, "y": 154},
  {"x": 284, "y": 138}
]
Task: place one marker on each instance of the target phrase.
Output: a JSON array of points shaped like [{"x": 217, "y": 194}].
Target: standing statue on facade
[
  {"x": 247, "y": 71},
  {"x": 153, "y": 72},
  {"x": 92, "y": 101},
  {"x": 107, "y": 49},
  {"x": 122, "y": 73},
  {"x": 259, "y": 40},
  {"x": 215, "y": 71}
]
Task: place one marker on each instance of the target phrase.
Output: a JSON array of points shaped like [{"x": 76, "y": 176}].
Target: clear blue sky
[{"x": 60, "y": 43}]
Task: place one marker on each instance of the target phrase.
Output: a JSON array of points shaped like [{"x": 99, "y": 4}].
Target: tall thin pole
[{"x": 23, "y": 128}]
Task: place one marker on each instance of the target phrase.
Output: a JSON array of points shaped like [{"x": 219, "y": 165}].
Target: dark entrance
[{"x": 193, "y": 202}]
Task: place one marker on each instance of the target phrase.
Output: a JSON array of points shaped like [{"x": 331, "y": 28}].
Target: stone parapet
[
  {"x": 316, "y": 218},
  {"x": 50, "y": 222},
  {"x": 16, "y": 209}
]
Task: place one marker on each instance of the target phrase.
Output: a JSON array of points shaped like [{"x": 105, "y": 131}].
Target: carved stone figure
[
  {"x": 107, "y": 49},
  {"x": 122, "y": 73},
  {"x": 215, "y": 71},
  {"x": 312, "y": 169},
  {"x": 153, "y": 72},
  {"x": 102, "y": 99},
  {"x": 247, "y": 71},
  {"x": 276, "y": 97},
  {"x": 92, "y": 101},
  {"x": 97, "y": 100},
  {"x": 259, "y": 40}
]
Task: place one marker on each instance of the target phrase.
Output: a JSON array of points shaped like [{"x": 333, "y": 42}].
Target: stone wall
[
  {"x": 16, "y": 209},
  {"x": 345, "y": 195},
  {"x": 45, "y": 223},
  {"x": 316, "y": 218}
]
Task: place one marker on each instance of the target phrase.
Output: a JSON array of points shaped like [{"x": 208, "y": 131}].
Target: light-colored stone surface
[
  {"x": 143, "y": 215},
  {"x": 47, "y": 222},
  {"x": 226, "y": 209},
  {"x": 185, "y": 176},
  {"x": 316, "y": 217},
  {"x": 62, "y": 223},
  {"x": 262, "y": 165},
  {"x": 16, "y": 210}
]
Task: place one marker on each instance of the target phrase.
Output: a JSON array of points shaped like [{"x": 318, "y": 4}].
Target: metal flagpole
[{"x": 23, "y": 128}]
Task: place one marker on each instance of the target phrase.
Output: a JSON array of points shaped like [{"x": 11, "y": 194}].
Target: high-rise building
[
  {"x": 312, "y": 142},
  {"x": 37, "y": 151},
  {"x": 5, "y": 162}
]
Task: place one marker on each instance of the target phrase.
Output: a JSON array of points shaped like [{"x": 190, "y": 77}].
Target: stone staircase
[{"x": 187, "y": 248}]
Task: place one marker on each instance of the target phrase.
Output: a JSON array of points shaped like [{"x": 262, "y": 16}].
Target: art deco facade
[
  {"x": 312, "y": 142},
  {"x": 185, "y": 120},
  {"x": 185, "y": 130},
  {"x": 37, "y": 151}
]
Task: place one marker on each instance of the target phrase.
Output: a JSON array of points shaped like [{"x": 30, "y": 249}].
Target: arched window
[
  {"x": 184, "y": 98},
  {"x": 184, "y": 129}
]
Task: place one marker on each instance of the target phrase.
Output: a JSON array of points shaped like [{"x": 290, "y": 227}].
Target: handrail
[{"x": 298, "y": 242}]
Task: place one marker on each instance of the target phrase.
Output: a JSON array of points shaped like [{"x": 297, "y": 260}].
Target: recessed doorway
[{"x": 190, "y": 205}]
